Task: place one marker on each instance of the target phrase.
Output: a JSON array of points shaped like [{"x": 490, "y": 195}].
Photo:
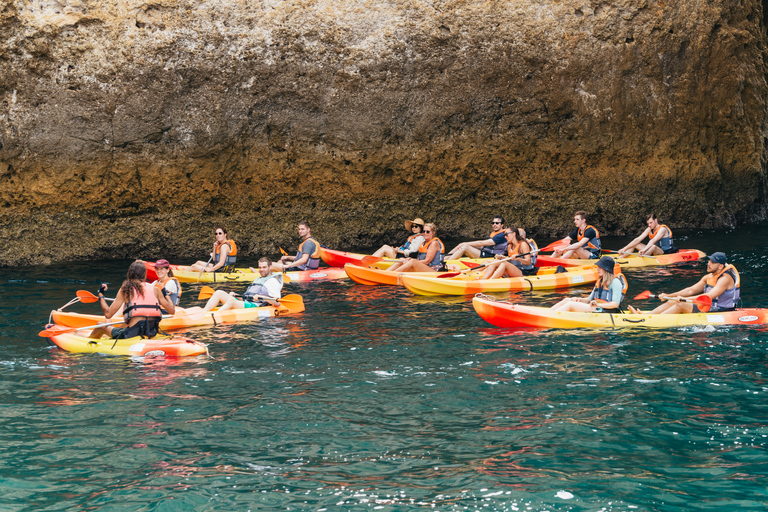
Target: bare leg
[
  {"x": 398, "y": 267},
  {"x": 386, "y": 251},
  {"x": 101, "y": 331},
  {"x": 463, "y": 249},
  {"x": 580, "y": 253},
  {"x": 673, "y": 307},
  {"x": 219, "y": 296}
]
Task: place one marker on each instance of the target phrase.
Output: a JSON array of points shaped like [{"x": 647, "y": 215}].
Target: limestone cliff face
[{"x": 132, "y": 128}]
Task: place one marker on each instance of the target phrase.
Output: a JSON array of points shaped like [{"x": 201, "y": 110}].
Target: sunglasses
[
  {"x": 494, "y": 222},
  {"x": 427, "y": 231},
  {"x": 415, "y": 226},
  {"x": 219, "y": 233}
]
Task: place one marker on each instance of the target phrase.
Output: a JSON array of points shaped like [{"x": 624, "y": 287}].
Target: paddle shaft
[
  {"x": 203, "y": 269},
  {"x": 47, "y": 333},
  {"x": 488, "y": 264}
]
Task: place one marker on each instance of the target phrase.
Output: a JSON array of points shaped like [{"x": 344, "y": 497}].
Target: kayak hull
[
  {"x": 503, "y": 314},
  {"x": 187, "y": 317},
  {"x": 339, "y": 259},
  {"x": 158, "y": 346},
  {"x": 243, "y": 275},
  {"x": 545, "y": 279},
  {"x": 631, "y": 260},
  {"x": 375, "y": 276}
]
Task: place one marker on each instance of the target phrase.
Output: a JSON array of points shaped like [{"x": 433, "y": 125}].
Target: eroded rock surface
[{"x": 132, "y": 128}]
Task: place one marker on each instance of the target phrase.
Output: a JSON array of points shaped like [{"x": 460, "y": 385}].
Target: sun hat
[
  {"x": 606, "y": 263},
  {"x": 409, "y": 223},
  {"x": 162, "y": 264},
  {"x": 718, "y": 257}
]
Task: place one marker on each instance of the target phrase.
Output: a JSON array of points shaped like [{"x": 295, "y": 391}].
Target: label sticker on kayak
[
  {"x": 715, "y": 318},
  {"x": 138, "y": 347},
  {"x": 747, "y": 318},
  {"x": 318, "y": 274},
  {"x": 578, "y": 279}
]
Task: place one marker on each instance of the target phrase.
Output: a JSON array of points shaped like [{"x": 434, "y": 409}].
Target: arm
[
  {"x": 165, "y": 302},
  {"x": 525, "y": 249},
  {"x": 431, "y": 252},
  {"x": 223, "y": 253},
  {"x": 481, "y": 243},
  {"x": 691, "y": 291},
  {"x": 110, "y": 311},
  {"x": 636, "y": 240},
  {"x": 301, "y": 261},
  {"x": 415, "y": 244},
  {"x": 652, "y": 243}
]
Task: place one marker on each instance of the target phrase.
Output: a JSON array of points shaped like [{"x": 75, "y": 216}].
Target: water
[{"x": 377, "y": 400}]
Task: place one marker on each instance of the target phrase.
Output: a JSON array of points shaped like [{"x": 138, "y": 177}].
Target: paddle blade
[
  {"x": 293, "y": 302},
  {"x": 555, "y": 245},
  {"x": 286, "y": 279},
  {"x": 54, "y": 330},
  {"x": 205, "y": 293},
  {"x": 703, "y": 302},
  {"x": 643, "y": 295},
  {"x": 449, "y": 274},
  {"x": 86, "y": 297},
  {"x": 470, "y": 264},
  {"x": 282, "y": 251},
  {"x": 370, "y": 260}
]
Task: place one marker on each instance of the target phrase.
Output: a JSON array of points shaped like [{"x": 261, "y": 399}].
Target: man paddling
[
  {"x": 308, "y": 255},
  {"x": 496, "y": 243},
  {"x": 267, "y": 284},
  {"x": 587, "y": 240},
  {"x": 722, "y": 284},
  {"x": 660, "y": 239}
]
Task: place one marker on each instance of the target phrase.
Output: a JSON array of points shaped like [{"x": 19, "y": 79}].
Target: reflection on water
[{"x": 376, "y": 399}]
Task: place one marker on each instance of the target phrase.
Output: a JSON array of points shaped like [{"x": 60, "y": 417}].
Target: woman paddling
[
  {"x": 431, "y": 254},
  {"x": 223, "y": 256},
  {"x": 411, "y": 246},
  {"x": 609, "y": 291},
  {"x": 142, "y": 301},
  {"x": 518, "y": 248}
]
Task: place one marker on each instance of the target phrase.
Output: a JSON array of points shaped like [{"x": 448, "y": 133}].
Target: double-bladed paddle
[
  {"x": 454, "y": 274},
  {"x": 559, "y": 244},
  {"x": 292, "y": 301},
  {"x": 55, "y": 330},
  {"x": 703, "y": 302},
  {"x": 87, "y": 297}
]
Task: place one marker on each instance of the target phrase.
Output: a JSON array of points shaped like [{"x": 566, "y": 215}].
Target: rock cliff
[{"x": 131, "y": 128}]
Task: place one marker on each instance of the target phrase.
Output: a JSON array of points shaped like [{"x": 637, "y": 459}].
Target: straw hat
[{"x": 417, "y": 220}]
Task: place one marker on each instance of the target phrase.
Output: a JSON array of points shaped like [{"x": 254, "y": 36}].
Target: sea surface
[{"x": 374, "y": 399}]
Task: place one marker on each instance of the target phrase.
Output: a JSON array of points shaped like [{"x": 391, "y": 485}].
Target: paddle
[
  {"x": 291, "y": 301},
  {"x": 630, "y": 253},
  {"x": 559, "y": 244},
  {"x": 203, "y": 269},
  {"x": 370, "y": 260},
  {"x": 55, "y": 330},
  {"x": 454, "y": 274},
  {"x": 87, "y": 297},
  {"x": 703, "y": 302}
]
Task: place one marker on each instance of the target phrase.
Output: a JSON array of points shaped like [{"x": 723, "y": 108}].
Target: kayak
[
  {"x": 630, "y": 260},
  {"x": 138, "y": 346},
  {"x": 465, "y": 284},
  {"x": 339, "y": 259},
  {"x": 187, "y": 317},
  {"x": 504, "y": 314},
  {"x": 243, "y": 275},
  {"x": 375, "y": 276}
]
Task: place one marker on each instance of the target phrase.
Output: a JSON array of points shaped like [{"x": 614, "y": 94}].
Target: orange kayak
[
  {"x": 375, "y": 276},
  {"x": 630, "y": 260},
  {"x": 504, "y": 314}
]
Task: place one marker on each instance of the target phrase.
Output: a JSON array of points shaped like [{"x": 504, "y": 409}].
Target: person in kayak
[
  {"x": 411, "y": 246},
  {"x": 266, "y": 285},
  {"x": 431, "y": 254},
  {"x": 165, "y": 280},
  {"x": 142, "y": 305},
  {"x": 308, "y": 255},
  {"x": 660, "y": 239},
  {"x": 223, "y": 256},
  {"x": 587, "y": 240},
  {"x": 606, "y": 296},
  {"x": 722, "y": 283},
  {"x": 496, "y": 243},
  {"x": 518, "y": 248}
]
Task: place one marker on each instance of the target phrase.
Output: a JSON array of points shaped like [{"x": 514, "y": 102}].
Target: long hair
[
  {"x": 607, "y": 279},
  {"x": 137, "y": 274}
]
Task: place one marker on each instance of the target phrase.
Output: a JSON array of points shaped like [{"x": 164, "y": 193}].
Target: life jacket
[
  {"x": 257, "y": 286},
  {"x": 534, "y": 247},
  {"x": 729, "y": 298},
  {"x": 494, "y": 249},
  {"x": 175, "y": 297},
  {"x": 314, "y": 258},
  {"x": 607, "y": 294},
  {"x": 229, "y": 262},
  {"x": 145, "y": 305},
  {"x": 514, "y": 251},
  {"x": 594, "y": 246},
  {"x": 407, "y": 245},
  {"x": 665, "y": 243},
  {"x": 437, "y": 261}
]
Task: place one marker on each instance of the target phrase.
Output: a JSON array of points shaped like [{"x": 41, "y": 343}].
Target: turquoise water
[{"x": 377, "y": 400}]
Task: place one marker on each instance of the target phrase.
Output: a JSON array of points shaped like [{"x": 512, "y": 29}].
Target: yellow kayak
[{"x": 158, "y": 346}]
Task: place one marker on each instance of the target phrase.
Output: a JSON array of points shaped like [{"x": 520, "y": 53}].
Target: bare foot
[{"x": 634, "y": 310}]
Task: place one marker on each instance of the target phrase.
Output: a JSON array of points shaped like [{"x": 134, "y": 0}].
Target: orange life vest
[
  {"x": 597, "y": 245},
  {"x": 437, "y": 261},
  {"x": 231, "y": 257},
  {"x": 148, "y": 306}
]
